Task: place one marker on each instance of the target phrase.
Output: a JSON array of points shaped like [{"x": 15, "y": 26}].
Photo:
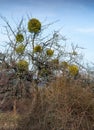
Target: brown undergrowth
[{"x": 62, "y": 105}]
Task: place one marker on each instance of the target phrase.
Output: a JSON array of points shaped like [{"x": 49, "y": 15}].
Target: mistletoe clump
[
  {"x": 74, "y": 53},
  {"x": 20, "y": 49},
  {"x": 45, "y": 72},
  {"x": 37, "y": 48},
  {"x": 50, "y": 52},
  {"x": 19, "y": 37},
  {"x": 55, "y": 61},
  {"x": 64, "y": 64},
  {"x": 22, "y": 65},
  {"x": 34, "y": 25},
  {"x": 73, "y": 70}
]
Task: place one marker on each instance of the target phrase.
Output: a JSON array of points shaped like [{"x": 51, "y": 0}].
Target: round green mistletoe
[
  {"x": 20, "y": 49},
  {"x": 22, "y": 65},
  {"x": 19, "y": 38},
  {"x": 50, "y": 52},
  {"x": 34, "y": 25},
  {"x": 37, "y": 48},
  {"x": 73, "y": 69}
]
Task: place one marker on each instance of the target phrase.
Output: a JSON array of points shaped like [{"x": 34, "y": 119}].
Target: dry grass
[
  {"x": 8, "y": 121},
  {"x": 63, "y": 105}
]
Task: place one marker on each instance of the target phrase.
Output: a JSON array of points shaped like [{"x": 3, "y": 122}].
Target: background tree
[{"x": 29, "y": 50}]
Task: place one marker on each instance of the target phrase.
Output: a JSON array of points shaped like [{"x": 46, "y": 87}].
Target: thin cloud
[{"x": 85, "y": 30}]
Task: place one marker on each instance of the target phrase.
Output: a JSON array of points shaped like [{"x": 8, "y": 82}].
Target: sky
[{"x": 75, "y": 18}]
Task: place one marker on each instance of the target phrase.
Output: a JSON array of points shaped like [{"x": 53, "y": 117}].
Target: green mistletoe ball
[
  {"x": 22, "y": 65},
  {"x": 73, "y": 69},
  {"x": 19, "y": 38},
  {"x": 20, "y": 49},
  {"x": 34, "y": 25},
  {"x": 50, "y": 52},
  {"x": 38, "y": 48}
]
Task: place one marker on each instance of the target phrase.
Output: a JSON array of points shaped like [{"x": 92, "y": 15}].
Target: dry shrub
[{"x": 63, "y": 105}]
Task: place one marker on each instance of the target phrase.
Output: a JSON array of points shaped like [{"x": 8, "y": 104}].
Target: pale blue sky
[{"x": 76, "y": 17}]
